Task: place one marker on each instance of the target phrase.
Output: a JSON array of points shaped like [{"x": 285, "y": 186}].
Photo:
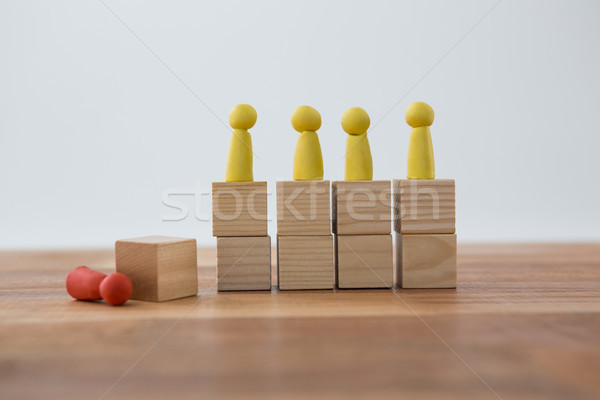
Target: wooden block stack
[
  {"x": 243, "y": 244},
  {"x": 424, "y": 219},
  {"x": 161, "y": 268},
  {"x": 362, "y": 228},
  {"x": 305, "y": 256}
]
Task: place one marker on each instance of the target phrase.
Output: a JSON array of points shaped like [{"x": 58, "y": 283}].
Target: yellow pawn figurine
[
  {"x": 420, "y": 163},
  {"x": 308, "y": 159},
  {"x": 239, "y": 158},
  {"x": 359, "y": 163}
]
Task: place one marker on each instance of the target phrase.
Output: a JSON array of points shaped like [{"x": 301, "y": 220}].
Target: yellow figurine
[
  {"x": 239, "y": 158},
  {"x": 359, "y": 163},
  {"x": 308, "y": 159},
  {"x": 419, "y": 116}
]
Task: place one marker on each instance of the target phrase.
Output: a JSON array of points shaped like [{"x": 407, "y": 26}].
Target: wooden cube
[
  {"x": 239, "y": 208},
  {"x": 362, "y": 207},
  {"x": 364, "y": 261},
  {"x": 428, "y": 261},
  {"x": 305, "y": 262},
  {"x": 424, "y": 206},
  {"x": 303, "y": 208},
  {"x": 161, "y": 268},
  {"x": 244, "y": 263}
]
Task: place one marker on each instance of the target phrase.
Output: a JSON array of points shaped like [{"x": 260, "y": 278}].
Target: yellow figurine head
[
  {"x": 242, "y": 116},
  {"x": 419, "y": 114},
  {"x": 355, "y": 121},
  {"x": 306, "y": 118}
]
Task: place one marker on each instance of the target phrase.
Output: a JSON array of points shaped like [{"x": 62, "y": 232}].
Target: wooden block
[
  {"x": 397, "y": 259},
  {"x": 161, "y": 268},
  {"x": 429, "y": 261},
  {"x": 303, "y": 208},
  {"x": 361, "y": 207},
  {"x": 305, "y": 262},
  {"x": 364, "y": 261},
  {"x": 239, "y": 208},
  {"x": 244, "y": 263},
  {"x": 424, "y": 206}
]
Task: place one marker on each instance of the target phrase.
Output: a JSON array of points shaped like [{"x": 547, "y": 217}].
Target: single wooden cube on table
[{"x": 161, "y": 268}]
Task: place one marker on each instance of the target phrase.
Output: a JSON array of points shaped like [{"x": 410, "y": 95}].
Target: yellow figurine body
[
  {"x": 420, "y": 163},
  {"x": 308, "y": 159},
  {"x": 359, "y": 163},
  {"x": 239, "y": 157}
]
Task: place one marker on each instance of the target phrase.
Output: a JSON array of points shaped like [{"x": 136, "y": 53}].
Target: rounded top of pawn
[
  {"x": 355, "y": 121},
  {"x": 419, "y": 114},
  {"x": 242, "y": 116},
  {"x": 306, "y": 118}
]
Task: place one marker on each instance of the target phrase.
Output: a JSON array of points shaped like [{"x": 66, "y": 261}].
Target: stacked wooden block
[
  {"x": 305, "y": 256},
  {"x": 424, "y": 219},
  {"x": 243, "y": 244},
  {"x": 362, "y": 228}
]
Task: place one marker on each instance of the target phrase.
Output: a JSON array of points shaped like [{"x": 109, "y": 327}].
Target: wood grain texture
[
  {"x": 397, "y": 241},
  {"x": 239, "y": 208},
  {"x": 424, "y": 206},
  {"x": 524, "y": 319},
  {"x": 361, "y": 207},
  {"x": 305, "y": 262},
  {"x": 161, "y": 268},
  {"x": 244, "y": 263},
  {"x": 364, "y": 261},
  {"x": 428, "y": 261},
  {"x": 303, "y": 208}
]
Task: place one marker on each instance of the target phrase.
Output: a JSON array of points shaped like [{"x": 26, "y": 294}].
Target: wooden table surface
[{"x": 524, "y": 323}]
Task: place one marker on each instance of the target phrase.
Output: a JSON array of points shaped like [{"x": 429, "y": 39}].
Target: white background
[{"x": 95, "y": 129}]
